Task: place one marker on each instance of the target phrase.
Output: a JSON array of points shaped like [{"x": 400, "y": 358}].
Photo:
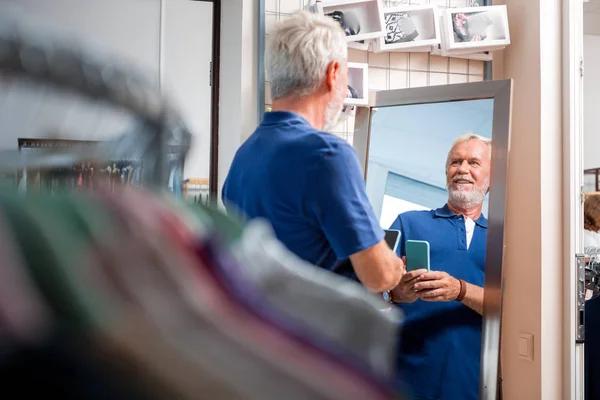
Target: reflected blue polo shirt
[
  {"x": 440, "y": 345},
  {"x": 309, "y": 185}
]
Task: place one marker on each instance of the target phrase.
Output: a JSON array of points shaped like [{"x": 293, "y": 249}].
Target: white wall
[
  {"x": 533, "y": 263},
  {"x": 238, "y": 87},
  {"x": 591, "y": 17},
  {"x": 169, "y": 40},
  {"x": 591, "y": 100},
  {"x": 185, "y": 73}
]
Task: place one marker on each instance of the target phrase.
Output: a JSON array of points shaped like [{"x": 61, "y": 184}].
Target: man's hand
[
  {"x": 378, "y": 268},
  {"x": 437, "y": 286},
  {"x": 405, "y": 291}
]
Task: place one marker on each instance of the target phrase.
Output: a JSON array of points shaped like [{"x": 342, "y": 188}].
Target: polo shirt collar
[
  {"x": 445, "y": 212},
  {"x": 275, "y": 117}
]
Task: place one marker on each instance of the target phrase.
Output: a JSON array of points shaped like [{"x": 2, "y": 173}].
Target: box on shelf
[
  {"x": 358, "y": 85},
  {"x": 474, "y": 30},
  {"x": 409, "y": 28},
  {"x": 360, "y": 19}
]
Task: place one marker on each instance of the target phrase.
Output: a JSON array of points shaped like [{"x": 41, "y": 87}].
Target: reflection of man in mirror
[
  {"x": 305, "y": 181},
  {"x": 440, "y": 346}
]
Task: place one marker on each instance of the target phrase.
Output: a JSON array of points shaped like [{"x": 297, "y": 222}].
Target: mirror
[{"x": 407, "y": 142}]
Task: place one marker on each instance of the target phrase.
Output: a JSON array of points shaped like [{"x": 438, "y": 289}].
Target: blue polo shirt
[
  {"x": 309, "y": 185},
  {"x": 440, "y": 345}
]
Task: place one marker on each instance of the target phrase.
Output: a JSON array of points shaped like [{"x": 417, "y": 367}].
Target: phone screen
[
  {"x": 417, "y": 255},
  {"x": 392, "y": 238}
]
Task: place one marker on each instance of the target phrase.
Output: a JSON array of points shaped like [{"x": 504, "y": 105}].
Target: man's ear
[{"x": 332, "y": 76}]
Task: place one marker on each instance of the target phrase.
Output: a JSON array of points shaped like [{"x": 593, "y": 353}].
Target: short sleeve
[
  {"x": 338, "y": 200},
  {"x": 397, "y": 225}
]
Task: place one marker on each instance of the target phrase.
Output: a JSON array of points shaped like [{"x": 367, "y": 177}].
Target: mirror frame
[{"x": 501, "y": 92}]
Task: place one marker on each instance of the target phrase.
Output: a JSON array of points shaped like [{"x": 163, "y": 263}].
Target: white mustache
[{"x": 461, "y": 178}]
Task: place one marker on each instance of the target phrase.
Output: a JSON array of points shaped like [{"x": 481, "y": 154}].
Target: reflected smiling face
[{"x": 468, "y": 173}]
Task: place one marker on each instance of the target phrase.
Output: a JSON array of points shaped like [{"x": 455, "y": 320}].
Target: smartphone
[
  {"x": 392, "y": 238},
  {"x": 417, "y": 255}
]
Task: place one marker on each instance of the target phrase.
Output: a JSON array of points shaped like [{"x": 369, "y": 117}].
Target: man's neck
[
  {"x": 309, "y": 108},
  {"x": 468, "y": 212}
]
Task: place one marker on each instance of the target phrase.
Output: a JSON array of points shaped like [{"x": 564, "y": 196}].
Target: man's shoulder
[
  {"x": 327, "y": 142},
  {"x": 302, "y": 137},
  {"x": 325, "y": 148},
  {"x": 410, "y": 220}
]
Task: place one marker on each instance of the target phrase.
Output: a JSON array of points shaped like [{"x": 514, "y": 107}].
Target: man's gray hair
[
  {"x": 300, "y": 49},
  {"x": 465, "y": 138}
]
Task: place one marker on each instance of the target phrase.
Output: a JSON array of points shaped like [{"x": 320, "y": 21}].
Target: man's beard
[
  {"x": 334, "y": 109},
  {"x": 468, "y": 199}
]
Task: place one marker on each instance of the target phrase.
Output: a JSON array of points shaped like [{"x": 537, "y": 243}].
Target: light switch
[{"x": 525, "y": 346}]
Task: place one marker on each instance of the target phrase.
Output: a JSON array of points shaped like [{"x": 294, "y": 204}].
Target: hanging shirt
[
  {"x": 314, "y": 299},
  {"x": 309, "y": 185},
  {"x": 440, "y": 345}
]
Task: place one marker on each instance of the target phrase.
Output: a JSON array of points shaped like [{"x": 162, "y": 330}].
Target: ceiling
[{"x": 591, "y": 17}]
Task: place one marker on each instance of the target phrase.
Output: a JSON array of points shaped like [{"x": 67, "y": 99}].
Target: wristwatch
[{"x": 388, "y": 297}]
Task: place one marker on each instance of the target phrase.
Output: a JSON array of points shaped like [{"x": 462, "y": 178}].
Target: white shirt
[
  {"x": 469, "y": 228},
  {"x": 591, "y": 239}
]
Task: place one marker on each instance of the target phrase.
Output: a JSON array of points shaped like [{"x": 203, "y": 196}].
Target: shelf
[
  {"x": 474, "y": 30},
  {"x": 409, "y": 28},
  {"x": 360, "y": 19},
  {"x": 358, "y": 75}
]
